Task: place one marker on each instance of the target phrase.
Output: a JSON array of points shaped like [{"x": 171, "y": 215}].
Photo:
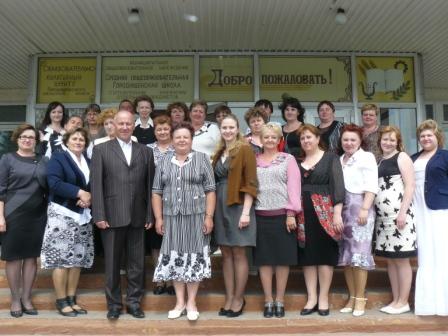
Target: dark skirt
[
  {"x": 320, "y": 248},
  {"x": 275, "y": 245},
  {"x": 25, "y": 229}
]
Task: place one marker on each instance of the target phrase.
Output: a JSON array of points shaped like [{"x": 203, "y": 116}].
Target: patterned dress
[
  {"x": 390, "y": 241},
  {"x": 184, "y": 254},
  {"x": 356, "y": 246}
]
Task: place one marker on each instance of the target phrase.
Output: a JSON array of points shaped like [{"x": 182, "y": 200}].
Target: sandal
[
  {"x": 360, "y": 305},
  {"x": 63, "y": 303},
  {"x": 72, "y": 302}
]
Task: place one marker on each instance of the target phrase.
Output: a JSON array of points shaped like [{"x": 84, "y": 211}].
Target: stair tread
[{"x": 49, "y": 322}]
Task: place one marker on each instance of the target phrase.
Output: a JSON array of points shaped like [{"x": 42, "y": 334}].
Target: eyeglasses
[{"x": 24, "y": 137}]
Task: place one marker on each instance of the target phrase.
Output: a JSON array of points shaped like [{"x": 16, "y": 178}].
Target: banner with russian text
[
  {"x": 68, "y": 80},
  {"x": 385, "y": 79},
  {"x": 164, "y": 79},
  {"x": 226, "y": 78},
  {"x": 307, "y": 78}
]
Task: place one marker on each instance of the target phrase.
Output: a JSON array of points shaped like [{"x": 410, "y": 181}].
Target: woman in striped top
[{"x": 183, "y": 202}]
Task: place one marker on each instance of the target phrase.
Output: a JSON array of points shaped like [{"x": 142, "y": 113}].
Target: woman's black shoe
[
  {"x": 223, "y": 312},
  {"x": 279, "y": 309},
  {"x": 159, "y": 289},
  {"x": 308, "y": 311},
  {"x": 31, "y": 311},
  {"x": 232, "y": 313},
  {"x": 16, "y": 314},
  {"x": 61, "y": 304},
  {"x": 323, "y": 312},
  {"x": 72, "y": 302},
  {"x": 268, "y": 309}
]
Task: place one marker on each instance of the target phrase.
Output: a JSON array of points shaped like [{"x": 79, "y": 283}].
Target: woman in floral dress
[
  {"x": 361, "y": 186},
  {"x": 183, "y": 202}
]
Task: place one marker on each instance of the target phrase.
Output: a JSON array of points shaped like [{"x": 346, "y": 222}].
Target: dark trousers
[{"x": 115, "y": 241}]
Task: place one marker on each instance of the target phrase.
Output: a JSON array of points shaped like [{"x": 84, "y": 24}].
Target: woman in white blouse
[
  {"x": 361, "y": 185},
  {"x": 206, "y": 134}
]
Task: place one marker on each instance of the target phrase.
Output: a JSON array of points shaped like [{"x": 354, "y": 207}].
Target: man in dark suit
[{"x": 122, "y": 172}]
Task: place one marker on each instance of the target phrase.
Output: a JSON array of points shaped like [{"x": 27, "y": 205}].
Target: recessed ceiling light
[{"x": 191, "y": 17}]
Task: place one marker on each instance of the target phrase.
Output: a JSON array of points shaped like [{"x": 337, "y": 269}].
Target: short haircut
[
  {"x": 295, "y": 103},
  {"x": 271, "y": 127},
  {"x": 180, "y": 106},
  {"x": 91, "y": 107},
  {"x": 222, "y": 109},
  {"x": 354, "y": 129},
  {"x": 326, "y": 102},
  {"x": 390, "y": 129},
  {"x": 76, "y": 116},
  {"x": 370, "y": 107},
  {"x": 143, "y": 98},
  {"x": 199, "y": 102},
  {"x": 431, "y": 125},
  {"x": 264, "y": 103},
  {"x": 185, "y": 125},
  {"x": 162, "y": 119},
  {"x": 83, "y": 132},
  {"x": 107, "y": 114},
  {"x": 22, "y": 128},
  {"x": 255, "y": 112}
]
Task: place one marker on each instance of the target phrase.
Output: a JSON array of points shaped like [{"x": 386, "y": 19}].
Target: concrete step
[
  {"x": 250, "y": 323},
  {"x": 207, "y": 300}
]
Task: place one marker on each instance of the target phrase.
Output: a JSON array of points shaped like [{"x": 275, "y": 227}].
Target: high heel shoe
[
  {"x": 356, "y": 310},
  {"x": 31, "y": 311},
  {"x": 308, "y": 311},
  {"x": 348, "y": 309},
  {"x": 176, "y": 313},
  {"x": 61, "y": 304},
  {"x": 72, "y": 302},
  {"x": 232, "y": 313},
  {"x": 192, "y": 315}
]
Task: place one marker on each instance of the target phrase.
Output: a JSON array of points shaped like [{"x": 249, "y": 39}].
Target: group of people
[{"x": 297, "y": 194}]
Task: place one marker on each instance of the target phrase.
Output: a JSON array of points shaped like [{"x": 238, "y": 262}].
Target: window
[
  {"x": 429, "y": 109},
  {"x": 12, "y": 114}
]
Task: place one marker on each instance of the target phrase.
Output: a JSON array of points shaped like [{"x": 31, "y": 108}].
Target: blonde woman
[{"x": 236, "y": 178}]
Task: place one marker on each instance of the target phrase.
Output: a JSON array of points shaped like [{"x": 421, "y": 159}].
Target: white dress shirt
[
  {"x": 360, "y": 173},
  {"x": 206, "y": 138},
  {"x": 127, "y": 150}
]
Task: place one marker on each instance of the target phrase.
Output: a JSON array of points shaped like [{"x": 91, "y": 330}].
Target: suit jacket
[
  {"x": 436, "y": 180},
  {"x": 121, "y": 193},
  {"x": 64, "y": 180}
]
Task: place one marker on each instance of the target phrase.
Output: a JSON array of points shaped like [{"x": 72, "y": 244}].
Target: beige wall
[{"x": 13, "y": 96}]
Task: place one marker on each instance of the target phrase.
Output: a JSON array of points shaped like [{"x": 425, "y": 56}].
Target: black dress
[
  {"x": 292, "y": 143},
  {"x": 23, "y": 190},
  {"x": 144, "y": 135},
  {"x": 325, "y": 178}
]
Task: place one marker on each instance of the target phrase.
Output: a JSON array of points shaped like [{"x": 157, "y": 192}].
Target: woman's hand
[
  {"x": 85, "y": 199},
  {"x": 244, "y": 221},
  {"x": 291, "y": 223},
  {"x": 337, "y": 223},
  {"x": 2, "y": 224},
  {"x": 401, "y": 220},
  {"x": 159, "y": 226},
  {"x": 208, "y": 225},
  {"x": 362, "y": 217}
]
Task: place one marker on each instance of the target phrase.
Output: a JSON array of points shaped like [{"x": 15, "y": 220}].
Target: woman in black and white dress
[
  {"x": 68, "y": 241},
  {"x": 396, "y": 237},
  {"x": 183, "y": 201}
]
